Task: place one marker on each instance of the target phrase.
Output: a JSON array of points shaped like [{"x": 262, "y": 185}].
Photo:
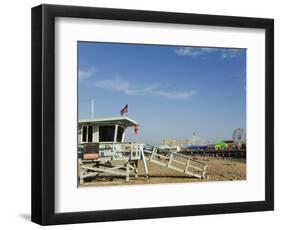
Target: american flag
[{"x": 124, "y": 110}]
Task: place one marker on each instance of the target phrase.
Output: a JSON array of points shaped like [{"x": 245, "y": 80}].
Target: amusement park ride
[{"x": 103, "y": 151}]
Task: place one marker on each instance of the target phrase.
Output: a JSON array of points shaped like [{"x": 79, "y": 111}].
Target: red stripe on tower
[{"x": 136, "y": 129}]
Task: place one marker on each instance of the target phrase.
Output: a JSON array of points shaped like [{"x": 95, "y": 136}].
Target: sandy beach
[{"x": 218, "y": 170}]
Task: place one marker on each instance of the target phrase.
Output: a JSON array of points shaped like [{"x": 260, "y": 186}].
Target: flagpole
[{"x": 92, "y": 109}]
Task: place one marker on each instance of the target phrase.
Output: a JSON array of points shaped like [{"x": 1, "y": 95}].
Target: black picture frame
[{"x": 43, "y": 114}]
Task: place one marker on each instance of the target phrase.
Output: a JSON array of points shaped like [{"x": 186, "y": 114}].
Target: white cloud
[
  {"x": 203, "y": 52},
  {"x": 194, "y": 52},
  {"x": 119, "y": 85},
  {"x": 230, "y": 53},
  {"x": 85, "y": 74},
  {"x": 176, "y": 95}
]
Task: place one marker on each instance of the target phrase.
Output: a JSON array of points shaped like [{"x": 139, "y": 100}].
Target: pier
[{"x": 222, "y": 153}]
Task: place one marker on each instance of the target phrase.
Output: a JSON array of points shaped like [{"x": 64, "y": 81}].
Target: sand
[{"x": 218, "y": 170}]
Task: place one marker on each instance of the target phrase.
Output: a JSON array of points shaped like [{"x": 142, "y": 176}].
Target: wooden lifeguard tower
[{"x": 101, "y": 142}]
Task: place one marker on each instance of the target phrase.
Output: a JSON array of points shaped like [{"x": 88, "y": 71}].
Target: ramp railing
[{"x": 177, "y": 162}]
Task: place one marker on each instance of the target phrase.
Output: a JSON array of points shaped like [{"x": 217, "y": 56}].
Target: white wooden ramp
[{"x": 177, "y": 162}]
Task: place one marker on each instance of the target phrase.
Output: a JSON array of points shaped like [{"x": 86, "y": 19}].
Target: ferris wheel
[{"x": 239, "y": 135}]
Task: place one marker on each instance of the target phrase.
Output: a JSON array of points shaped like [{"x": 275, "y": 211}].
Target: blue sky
[{"x": 171, "y": 91}]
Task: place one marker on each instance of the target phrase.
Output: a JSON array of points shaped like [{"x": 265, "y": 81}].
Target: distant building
[
  {"x": 197, "y": 143},
  {"x": 221, "y": 145},
  {"x": 174, "y": 142}
]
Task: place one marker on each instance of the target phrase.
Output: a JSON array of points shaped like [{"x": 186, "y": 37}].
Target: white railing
[{"x": 122, "y": 150}]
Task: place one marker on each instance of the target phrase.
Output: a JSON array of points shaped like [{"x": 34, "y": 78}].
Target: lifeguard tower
[{"x": 101, "y": 143}]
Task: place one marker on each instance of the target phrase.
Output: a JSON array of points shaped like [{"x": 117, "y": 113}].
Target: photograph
[
  {"x": 174, "y": 106},
  {"x": 154, "y": 114}
]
